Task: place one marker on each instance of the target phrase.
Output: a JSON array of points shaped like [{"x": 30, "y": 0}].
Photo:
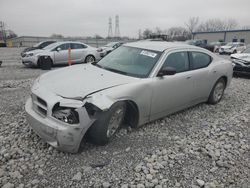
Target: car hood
[
  {"x": 242, "y": 56},
  {"x": 81, "y": 80},
  {"x": 36, "y": 51},
  {"x": 29, "y": 49}
]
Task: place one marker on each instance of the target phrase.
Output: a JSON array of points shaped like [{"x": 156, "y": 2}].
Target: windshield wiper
[{"x": 115, "y": 70}]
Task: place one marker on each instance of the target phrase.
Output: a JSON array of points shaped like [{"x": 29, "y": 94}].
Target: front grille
[
  {"x": 43, "y": 102},
  {"x": 39, "y": 105}
]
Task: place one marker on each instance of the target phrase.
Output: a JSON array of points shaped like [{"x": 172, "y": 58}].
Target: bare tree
[
  {"x": 192, "y": 24},
  {"x": 178, "y": 33},
  {"x": 146, "y": 33},
  {"x": 158, "y": 31},
  {"x": 230, "y": 24},
  {"x": 217, "y": 25}
]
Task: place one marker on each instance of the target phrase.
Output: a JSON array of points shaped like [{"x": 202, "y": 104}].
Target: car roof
[
  {"x": 158, "y": 45},
  {"x": 62, "y": 42}
]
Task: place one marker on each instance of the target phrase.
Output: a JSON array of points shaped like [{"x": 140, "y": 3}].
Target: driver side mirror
[
  {"x": 58, "y": 49},
  {"x": 166, "y": 71}
]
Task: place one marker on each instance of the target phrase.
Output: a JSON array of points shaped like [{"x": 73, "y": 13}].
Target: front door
[
  {"x": 61, "y": 55},
  {"x": 172, "y": 92}
]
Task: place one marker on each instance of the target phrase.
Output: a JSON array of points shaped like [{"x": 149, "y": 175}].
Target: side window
[
  {"x": 77, "y": 46},
  {"x": 63, "y": 46},
  {"x": 177, "y": 60},
  {"x": 200, "y": 60}
]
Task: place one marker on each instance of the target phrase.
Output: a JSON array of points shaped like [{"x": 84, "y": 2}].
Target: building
[{"x": 226, "y": 36}]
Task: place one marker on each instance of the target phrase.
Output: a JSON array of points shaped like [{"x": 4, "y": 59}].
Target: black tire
[
  {"x": 45, "y": 63},
  {"x": 99, "y": 132},
  {"x": 217, "y": 92},
  {"x": 235, "y": 51},
  {"x": 89, "y": 59}
]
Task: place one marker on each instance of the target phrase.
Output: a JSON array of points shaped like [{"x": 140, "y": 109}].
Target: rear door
[
  {"x": 78, "y": 52},
  {"x": 202, "y": 74}
]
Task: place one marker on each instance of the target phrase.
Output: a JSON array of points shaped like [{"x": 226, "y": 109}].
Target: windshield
[
  {"x": 130, "y": 61},
  {"x": 230, "y": 44},
  {"x": 247, "y": 51},
  {"x": 36, "y": 45},
  {"x": 51, "y": 46}
]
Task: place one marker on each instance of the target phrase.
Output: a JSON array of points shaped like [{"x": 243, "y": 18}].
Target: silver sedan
[
  {"x": 137, "y": 83},
  {"x": 58, "y": 54}
]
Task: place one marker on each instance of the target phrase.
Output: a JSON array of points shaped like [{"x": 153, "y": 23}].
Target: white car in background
[
  {"x": 58, "y": 54},
  {"x": 232, "y": 48},
  {"x": 110, "y": 47}
]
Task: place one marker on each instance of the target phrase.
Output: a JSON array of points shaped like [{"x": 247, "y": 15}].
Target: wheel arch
[
  {"x": 224, "y": 78},
  {"x": 132, "y": 114},
  {"x": 132, "y": 111}
]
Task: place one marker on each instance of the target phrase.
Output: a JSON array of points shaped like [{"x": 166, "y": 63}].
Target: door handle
[{"x": 188, "y": 77}]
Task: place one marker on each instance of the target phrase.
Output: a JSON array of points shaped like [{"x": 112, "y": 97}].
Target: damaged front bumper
[
  {"x": 241, "y": 67},
  {"x": 63, "y": 136}
]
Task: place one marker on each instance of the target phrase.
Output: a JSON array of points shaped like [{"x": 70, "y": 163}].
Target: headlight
[{"x": 66, "y": 115}]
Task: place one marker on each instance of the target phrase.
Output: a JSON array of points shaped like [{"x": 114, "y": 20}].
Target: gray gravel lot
[{"x": 204, "y": 146}]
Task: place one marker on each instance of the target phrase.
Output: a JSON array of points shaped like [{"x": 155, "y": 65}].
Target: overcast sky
[{"x": 90, "y": 17}]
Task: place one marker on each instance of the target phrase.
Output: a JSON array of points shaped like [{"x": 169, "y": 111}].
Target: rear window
[{"x": 200, "y": 60}]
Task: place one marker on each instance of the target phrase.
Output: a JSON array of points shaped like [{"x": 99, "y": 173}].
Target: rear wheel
[
  {"x": 107, "y": 124},
  {"x": 217, "y": 91},
  {"x": 89, "y": 59}
]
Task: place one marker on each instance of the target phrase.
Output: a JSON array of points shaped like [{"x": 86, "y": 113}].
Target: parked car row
[
  {"x": 57, "y": 53},
  {"x": 219, "y": 47}
]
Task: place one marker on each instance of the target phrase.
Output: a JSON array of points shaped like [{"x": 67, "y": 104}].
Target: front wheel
[
  {"x": 107, "y": 124},
  {"x": 217, "y": 91}
]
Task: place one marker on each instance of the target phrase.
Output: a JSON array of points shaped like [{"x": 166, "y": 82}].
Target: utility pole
[
  {"x": 110, "y": 33},
  {"x": 117, "y": 27},
  {"x": 2, "y": 29}
]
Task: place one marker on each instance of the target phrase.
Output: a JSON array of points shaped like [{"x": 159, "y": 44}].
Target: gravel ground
[{"x": 204, "y": 146}]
